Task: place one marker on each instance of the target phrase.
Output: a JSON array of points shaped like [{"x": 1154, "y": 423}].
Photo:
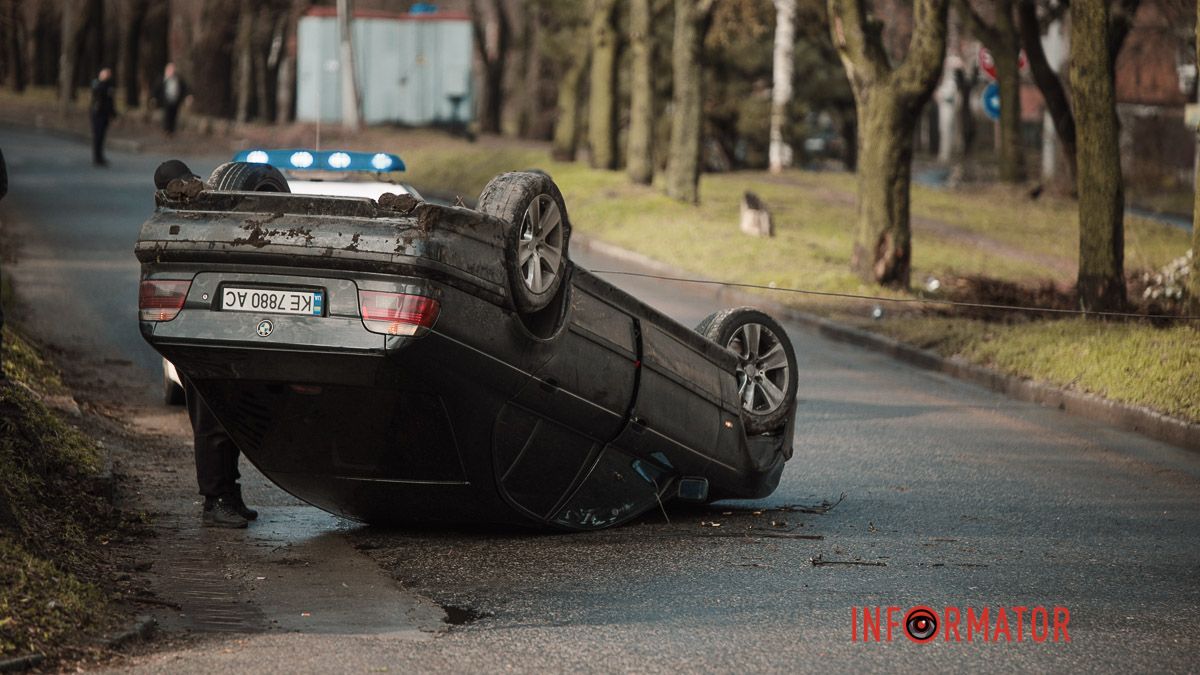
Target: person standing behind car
[
  {"x": 170, "y": 94},
  {"x": 102, "y": 110}
]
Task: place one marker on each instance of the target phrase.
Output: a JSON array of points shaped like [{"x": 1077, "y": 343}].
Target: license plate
[{"x": 310, "y": 303}]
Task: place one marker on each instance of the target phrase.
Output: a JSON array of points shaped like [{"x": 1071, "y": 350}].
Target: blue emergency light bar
[{"x": 323, "y": 160}]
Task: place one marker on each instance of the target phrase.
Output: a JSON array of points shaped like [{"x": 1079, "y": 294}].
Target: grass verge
[
  {"x": 996, "y": 233},
  {"x": 50, "y": 523}
]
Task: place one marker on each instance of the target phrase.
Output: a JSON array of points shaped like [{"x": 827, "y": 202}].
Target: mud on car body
[{"x": 393, "y": 360}]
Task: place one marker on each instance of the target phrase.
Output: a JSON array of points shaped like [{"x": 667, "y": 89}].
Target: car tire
[
  {"x": 538, "y": 239},
  {"x": 172, "y": 392},
  {"x": 766, "y": 371},
  {"x": 247, "y": 177}
]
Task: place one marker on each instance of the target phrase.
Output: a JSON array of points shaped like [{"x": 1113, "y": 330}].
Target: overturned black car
[{"x": 395, "y": 360}]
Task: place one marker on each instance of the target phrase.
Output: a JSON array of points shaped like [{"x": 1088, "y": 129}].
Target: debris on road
[{"x": 818, "y": 561}]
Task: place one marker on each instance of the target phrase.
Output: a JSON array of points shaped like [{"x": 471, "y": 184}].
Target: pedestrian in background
[
  {"x": 102, "y": 110},
  {"x": 170, "y": 94}
]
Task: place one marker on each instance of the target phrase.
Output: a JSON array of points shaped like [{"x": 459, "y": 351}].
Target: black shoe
[
  {"x": 222, "y": 512},
  {"x": 239, "y": 505}
]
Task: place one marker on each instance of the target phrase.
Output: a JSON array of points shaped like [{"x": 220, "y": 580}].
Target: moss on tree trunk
[
  {"x": 640, "y": 162},
  {"x": 1194, "y": 276},
  {"x": 882, "y": 242},
  {"x": 888, "y": 101},
  {"x": 566, "y": 128},
  {"x": 683, "y": 159},
  {"x": 602, "y": 106},
  {"x": 1101, "y": 191}
]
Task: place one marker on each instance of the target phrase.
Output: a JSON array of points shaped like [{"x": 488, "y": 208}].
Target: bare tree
[
  {"x": 244, "y": 74},
  {"x": 1048, "y": 82},
  {"x": 212, "y": 57},
  {"x": 640, "y": 161},
  {"x": 570, "y": 91},
  {"x": 687, "y": 114},
  {"x": 1101, "y": 190},
  {"x": 492, "y": 39},
  {"x": 1120, "y": 22},
  {"x": 12, "y": 36},
  {"x": 351, "y": 111},
  {"x": 602, "y": 103},
  {"x": 888, "y": 100},
  {"x": 780, "y": 153},
  {"x": 1002, "y": 40},
  {"x": 1194, "y": 276}
]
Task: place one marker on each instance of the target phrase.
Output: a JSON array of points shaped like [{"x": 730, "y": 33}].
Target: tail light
[
  {"x": 397, "y": 313},
  {"x": 161, "y": 299}
]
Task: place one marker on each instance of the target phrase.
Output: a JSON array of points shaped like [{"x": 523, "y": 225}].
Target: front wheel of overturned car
[
  {"x": 247, "y": 177},
  {"x": 766, "y": 369},
  {"x": 537, "y": 243}
]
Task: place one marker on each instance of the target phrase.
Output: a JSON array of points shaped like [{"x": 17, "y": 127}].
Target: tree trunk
[
  {"x": 1100, "y": 185},
  {"x": 882, "y": 243},
  {"x": 602, "y": 101},
  {"x": 533, "y": 110},
  {"x": 245, "y": 64},
  {"x": 14, "y": 46},
  {"x": 491, "y": 46},
  {"x": 153, "y": 52},
  {"x": 889, "y": 100},
  {"x": 779, "y": 152},
  {"x": 1194, "y": 276},
  {"x": 566, "y": 128},
  {"x": 131, "y": 53},
  {"x": 212, "y": 57},
  {"x": 1045, "y": 74},
  {"x": 640, "y": 162},
  {"x": 67, "y": 53},
  {"x": 687, "y": 114},
  {"x": 351, "y": 111},
  {"x": 1004, "y": 43},
  {"x": 285, "y": 80}
]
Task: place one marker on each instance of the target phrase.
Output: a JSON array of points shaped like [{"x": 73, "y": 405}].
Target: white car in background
[{"x": 331, "y": 173}]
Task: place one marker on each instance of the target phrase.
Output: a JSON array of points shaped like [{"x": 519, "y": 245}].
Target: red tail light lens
[
  {"x": 397, "y": 313},
  {"x": 161, "y": 299}
]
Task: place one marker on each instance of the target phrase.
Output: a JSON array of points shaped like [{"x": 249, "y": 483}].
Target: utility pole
[{"x": 351, "y": 115}]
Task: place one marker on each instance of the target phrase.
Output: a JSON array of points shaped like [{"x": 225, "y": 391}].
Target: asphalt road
[{"x": 954, "y": 497}]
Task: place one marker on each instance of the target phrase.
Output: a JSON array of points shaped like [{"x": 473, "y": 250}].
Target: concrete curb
[{"x": 1089, "y": 406}]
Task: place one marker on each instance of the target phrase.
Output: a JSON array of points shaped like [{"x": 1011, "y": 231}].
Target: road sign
[
  {"x": 988, "y": 64},
  {"x": 991, "y": 101}
]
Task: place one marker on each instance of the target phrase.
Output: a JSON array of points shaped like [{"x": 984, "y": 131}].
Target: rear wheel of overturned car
[
  {"x": 766, "y": 365},
  {"x": 247, "y": 177},
  {"x": 539, "y": 235}
]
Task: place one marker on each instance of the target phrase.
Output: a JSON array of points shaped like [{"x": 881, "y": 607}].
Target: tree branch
[
  {"x": 857, "y": 43},
  {"x": 975, "y": 23},
  {"x": 922, "y": 67},
  {"x": 1120, "y": 22},
  {"x": 1047, "y": 80}
]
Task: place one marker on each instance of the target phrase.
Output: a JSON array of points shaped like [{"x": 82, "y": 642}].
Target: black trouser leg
[
  {"x": 99, "y": 130},
  {"x": 216, "y": 455},
  {"x": 170, "y": 116}
]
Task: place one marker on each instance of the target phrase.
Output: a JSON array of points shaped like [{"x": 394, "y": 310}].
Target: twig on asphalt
[
  {"x": 765, "y": 533},
  {"x": 818, "y": 561},
  {"x": 820, "y": 510}
]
